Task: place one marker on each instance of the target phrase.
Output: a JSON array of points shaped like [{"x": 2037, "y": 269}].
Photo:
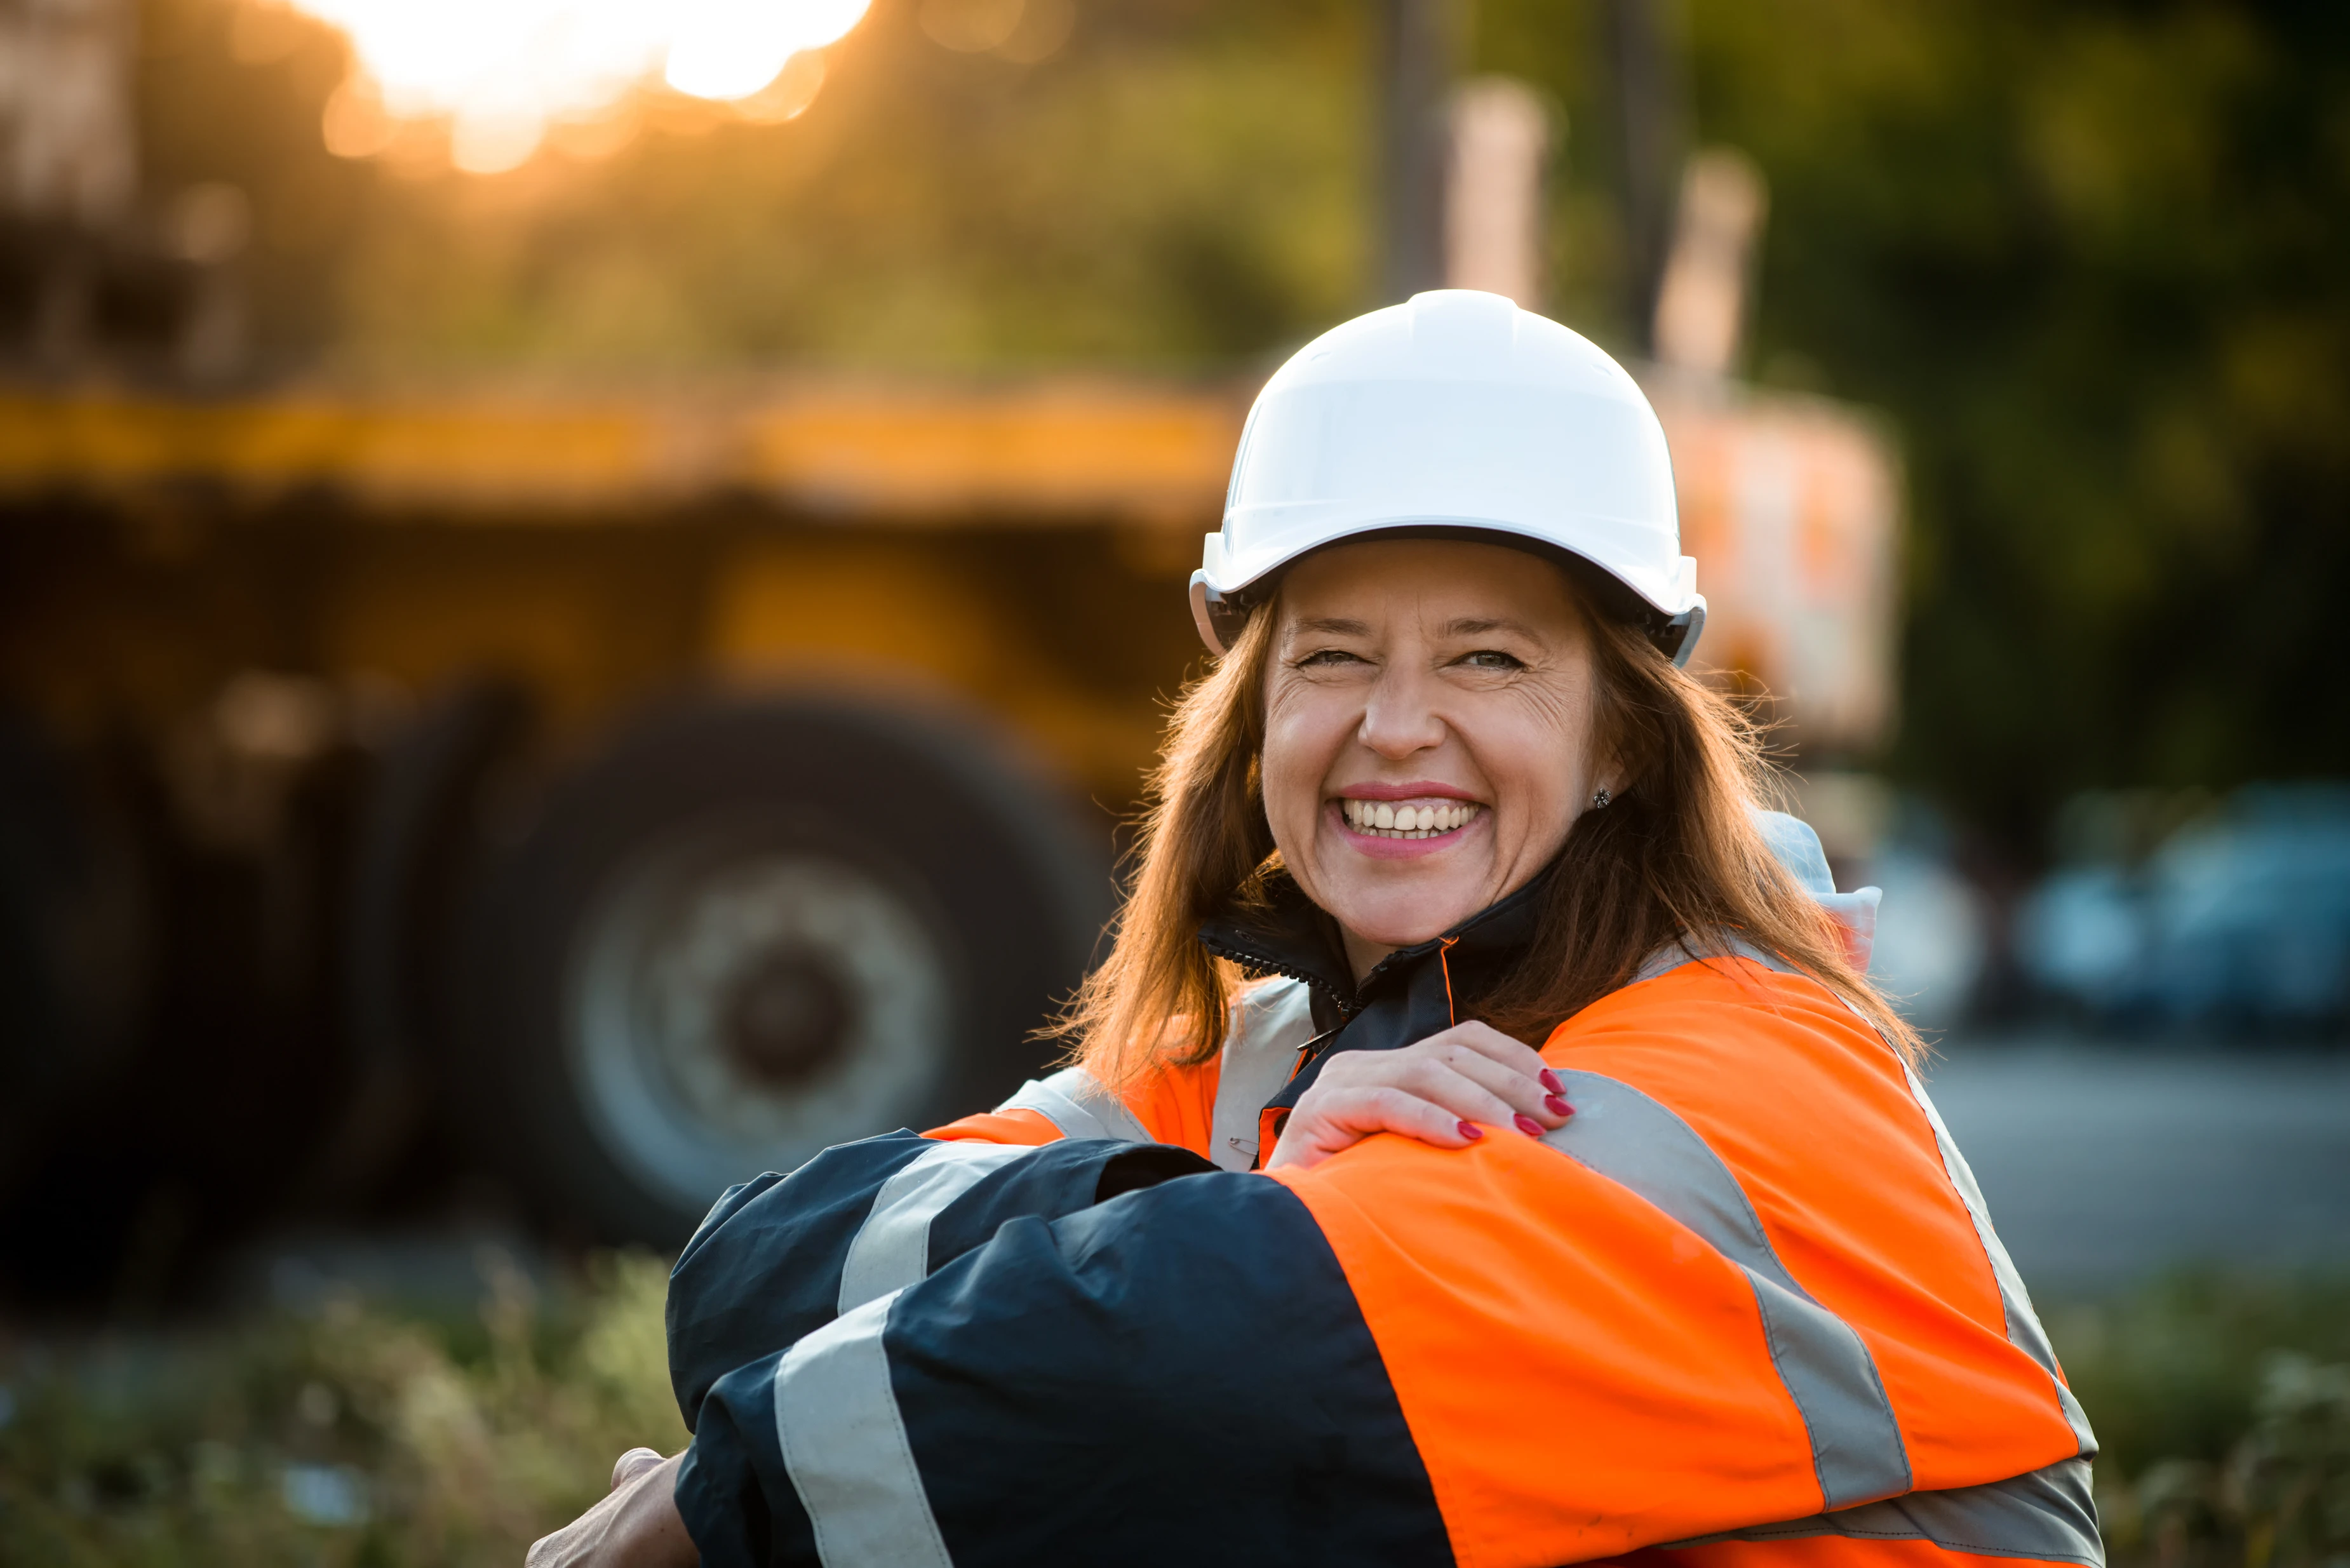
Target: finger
[
  {"x": 1432, "y": 1077},
  {"x": 632, "y": 1465},
  {"x": 1495, "y": 1046},
  {"x": 1392, "y": 1108},
  {"x": 1553, "y": 1107},
  {"x": 1339, "y": 1117},
  {"x": 1526, "y": 1095}
]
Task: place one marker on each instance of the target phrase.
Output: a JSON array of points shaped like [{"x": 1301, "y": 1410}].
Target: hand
[
  {"x": 636, "y": 1526},
  {"x": 1438, "y": 1091}
]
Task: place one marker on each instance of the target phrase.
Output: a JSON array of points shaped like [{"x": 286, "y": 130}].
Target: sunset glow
[{"x": 499, "y": 73}]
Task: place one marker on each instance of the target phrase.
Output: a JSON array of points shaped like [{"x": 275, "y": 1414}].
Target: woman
[{"x": 1481, "y": 1146}]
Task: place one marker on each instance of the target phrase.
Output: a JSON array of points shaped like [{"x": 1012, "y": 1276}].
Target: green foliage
[
  {"x": 1178, "y": 187},
  {"x": 2223, "y": 1410},
  {"x": 2089, "y": 256},
  {"x": 354, "y": 1436},
  {"x": 233, "y": 93}
]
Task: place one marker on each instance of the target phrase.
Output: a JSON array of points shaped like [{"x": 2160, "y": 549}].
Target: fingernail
[
  {"x": 1550, "y": 1081},
  {"x": 1556, "y": 1106},
  {"x": 1471, "y": 1131},
  {"x": 1528, "y": 1126}
]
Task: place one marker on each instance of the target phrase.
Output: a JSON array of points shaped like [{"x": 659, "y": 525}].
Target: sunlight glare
[
  {"x": 731, "y": 49},
  {"x": 499, "y": 71}
]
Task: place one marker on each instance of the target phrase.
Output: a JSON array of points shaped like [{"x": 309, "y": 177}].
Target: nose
[{"x": 1400, "y": 716}]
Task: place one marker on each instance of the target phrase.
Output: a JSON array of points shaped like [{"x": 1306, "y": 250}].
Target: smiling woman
[
  {"x": 1457, "y": 716},
  {"x": 1446, "y": 846}
]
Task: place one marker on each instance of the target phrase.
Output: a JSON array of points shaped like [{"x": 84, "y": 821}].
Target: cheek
[
  {"x": 1305, "y": 729},
  {"x": 1539, "y": 761}
]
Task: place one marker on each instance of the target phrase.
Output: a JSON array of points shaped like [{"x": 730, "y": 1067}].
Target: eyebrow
[
  {"x": 1477, "y": 626},
  {"x": 1466, "y": 626},
  {"x": 1332, "y": 626}
]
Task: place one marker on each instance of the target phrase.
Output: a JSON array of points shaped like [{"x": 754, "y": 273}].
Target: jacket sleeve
[
  {"x": 1189, "y": 1373},
  {"x": 781, "y": 1256},
  {"x": 1179, "y": 1374}
]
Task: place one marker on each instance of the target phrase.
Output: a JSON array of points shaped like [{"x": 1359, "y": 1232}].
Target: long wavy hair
[{"x": 1676, "y": 858}]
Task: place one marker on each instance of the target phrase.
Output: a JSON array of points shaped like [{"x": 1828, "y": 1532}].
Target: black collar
[{"x": 1414, "y": 992}]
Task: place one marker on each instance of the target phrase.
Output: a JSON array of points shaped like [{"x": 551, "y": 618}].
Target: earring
[{"x": 1600, "y": 799}]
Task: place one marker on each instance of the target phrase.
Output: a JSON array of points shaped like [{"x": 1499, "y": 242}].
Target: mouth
[{"x": 1423, "y": 818}]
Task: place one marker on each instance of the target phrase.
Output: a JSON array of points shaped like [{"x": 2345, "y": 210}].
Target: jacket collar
[{"x": 1414, "y": 992}]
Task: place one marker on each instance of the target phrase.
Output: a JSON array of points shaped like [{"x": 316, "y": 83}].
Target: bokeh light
[{"x": 501, "y": 74}]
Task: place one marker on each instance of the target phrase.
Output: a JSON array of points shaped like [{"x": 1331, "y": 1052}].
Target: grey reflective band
[
  {"x": 1685, "y": 950},
  {"x": 1858, "y": 1452},
  {"x": 892, "y": 1249},
  {"x": 1073, "y": 1102},
  {"x": 2047, "y": 1516},
  {"x": 2023, "y": 1330},
  {"x": 1271, "y": 1023},
  {"x": 845, "y": 1451}
]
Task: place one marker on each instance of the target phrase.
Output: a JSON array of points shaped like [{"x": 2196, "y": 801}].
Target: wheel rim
[{"x": 735, "y": 1006}]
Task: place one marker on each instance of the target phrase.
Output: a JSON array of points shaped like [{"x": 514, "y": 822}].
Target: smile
[{"x": 1391, "y": 819}]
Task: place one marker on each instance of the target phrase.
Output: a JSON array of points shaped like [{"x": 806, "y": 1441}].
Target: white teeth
[{"x": 1391, "y": 821}]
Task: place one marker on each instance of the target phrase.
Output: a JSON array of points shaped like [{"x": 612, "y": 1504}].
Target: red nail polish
[
  {"x": 1550, "y": 1081},
  {"x": 1528, "y": 1126},
  {"x": 1471, "y": 1131},
  {"x": 1556, "y": 1106}
]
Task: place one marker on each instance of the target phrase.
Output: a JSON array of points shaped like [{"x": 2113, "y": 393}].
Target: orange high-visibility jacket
[{"x": 1747, "y": 1304}]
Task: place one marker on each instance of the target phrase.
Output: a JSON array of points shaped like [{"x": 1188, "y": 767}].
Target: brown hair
[{"x": 1675, "y": 858}]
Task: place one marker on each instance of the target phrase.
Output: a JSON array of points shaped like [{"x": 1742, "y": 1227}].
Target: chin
[{"x": 1403, "y": 921}]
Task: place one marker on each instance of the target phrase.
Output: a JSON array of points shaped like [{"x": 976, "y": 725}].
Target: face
[{"x": 1428, "y": 733}]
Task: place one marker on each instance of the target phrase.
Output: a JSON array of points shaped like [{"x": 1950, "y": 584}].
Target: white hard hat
[{"x": 1455, "y": 412}]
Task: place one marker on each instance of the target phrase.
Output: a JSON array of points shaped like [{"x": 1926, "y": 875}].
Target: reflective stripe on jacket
[{"x": 1745, "y": 1306}]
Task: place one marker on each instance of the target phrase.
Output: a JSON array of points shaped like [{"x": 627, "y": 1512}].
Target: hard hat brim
[{"x": 1220, "y": 609}]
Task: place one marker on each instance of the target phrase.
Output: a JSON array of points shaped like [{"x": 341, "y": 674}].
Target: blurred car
[{"x": 2238, "y": 921}]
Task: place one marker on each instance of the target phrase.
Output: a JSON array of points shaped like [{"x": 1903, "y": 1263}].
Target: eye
[
  {"x": 1328, "y": 658},
  {"x": 1491, "y": 659}
]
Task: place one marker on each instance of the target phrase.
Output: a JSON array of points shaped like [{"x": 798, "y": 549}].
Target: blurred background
[{"x": 586, "y": 586}]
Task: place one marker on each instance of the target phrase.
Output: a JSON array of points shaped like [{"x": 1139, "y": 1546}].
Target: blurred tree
[
  {"x": 1178, "y": 185},
  {"x": 231, "y": 93},
  {"x": 2090, "y": 255}
]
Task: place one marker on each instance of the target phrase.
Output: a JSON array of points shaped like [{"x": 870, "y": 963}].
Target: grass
[
  {"x": 353, "y": 1436},
  {"x": 2223, "y": 1410},
  {"x": 357, "y": 1434}
]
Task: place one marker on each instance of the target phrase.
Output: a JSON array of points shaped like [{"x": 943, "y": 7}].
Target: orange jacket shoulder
[{"x": 1814, "y": 1114}]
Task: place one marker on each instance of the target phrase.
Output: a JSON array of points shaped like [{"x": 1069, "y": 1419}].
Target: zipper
[{"x": 1257, "y": 963}]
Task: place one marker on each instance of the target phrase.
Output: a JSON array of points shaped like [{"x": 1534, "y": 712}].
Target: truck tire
[
  {"x": 417, "y": 831},
  {"x": 750, "y": 929},
  {"x": 72, "y": 943}
]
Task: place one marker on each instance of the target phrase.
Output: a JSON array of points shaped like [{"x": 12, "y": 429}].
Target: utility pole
[
  {"x": 1419, "y": 46},
  {"x": 1649, "y": 130}
]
